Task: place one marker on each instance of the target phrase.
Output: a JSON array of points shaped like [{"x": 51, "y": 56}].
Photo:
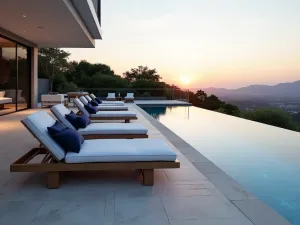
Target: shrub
[{"x": 274, "y": 117}]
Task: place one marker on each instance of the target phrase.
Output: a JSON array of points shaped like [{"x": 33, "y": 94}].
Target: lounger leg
[
  {"x": 53, "y": 180},
  {"x": 148, "y": 177},
  {"x": 127, "y": 121}
]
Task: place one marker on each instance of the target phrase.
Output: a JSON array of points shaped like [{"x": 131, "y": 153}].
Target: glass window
[
  {"x": 8, "y": 76},
  {"x": 14, "y": 77}
]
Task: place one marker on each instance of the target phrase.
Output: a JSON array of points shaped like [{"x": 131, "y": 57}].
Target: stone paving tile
[
  {"x": 199, "y": 207},
  {"x": 18, "y": 212},
  {"x": 148, "y": 209},
  {"x": 179, "y": 196}
]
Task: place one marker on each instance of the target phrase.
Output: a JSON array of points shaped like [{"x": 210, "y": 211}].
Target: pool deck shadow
[{"x": 252, "y": 207}]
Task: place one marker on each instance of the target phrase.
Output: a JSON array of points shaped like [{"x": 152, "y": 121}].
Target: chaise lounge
[
  {"x": 4, "y": 100},
  {"x": 102, "y": 130},
  {"x": 101, "y": 107},
  {"x": 129, "y": 97},
  {"x": 111, "y": 97},
  {"x": 106, "y": 115},
  {"x": 92, "y": 96},
  {"x": 145, "y": 155}
]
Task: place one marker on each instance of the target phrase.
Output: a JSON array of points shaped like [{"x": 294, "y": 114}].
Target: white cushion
[
  {"x": 129, "y": 95},
  {"x": 4, "y": 100},
  {"x": 88, "y": 98},
  {"x": 113, "y": 128},
  {"x": 112, "y": 103},
  {"x": 122, "y": 150},
  {"x": 111, "y": 95},
  {"x": 53, "y": 98},
  {"x": 112, "y": 107},
  {"x": 83, "y": 100},
  {"x": 2, "y": 94},
  {"x": 106, "y": 114},
  {"x": 37, "y": 123},
  {"x": 80, "y": 106},
  {"x": 60, "y": 112},
  {"x": 93, "y": 96}
]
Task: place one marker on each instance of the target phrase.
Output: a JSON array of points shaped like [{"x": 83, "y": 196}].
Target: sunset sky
[{"x": 201, "y": 43}]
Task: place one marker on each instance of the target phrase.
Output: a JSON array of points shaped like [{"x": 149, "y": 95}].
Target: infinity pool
[{"x": 263, "y": 159}]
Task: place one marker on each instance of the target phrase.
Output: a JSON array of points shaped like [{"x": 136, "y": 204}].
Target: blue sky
[{"x": 197, "y": 43}]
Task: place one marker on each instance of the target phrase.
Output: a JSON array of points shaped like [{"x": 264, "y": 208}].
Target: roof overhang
[{"x": 54, "y": 23}]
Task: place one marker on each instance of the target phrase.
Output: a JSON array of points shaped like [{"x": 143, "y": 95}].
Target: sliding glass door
[
  {"x": 14, "y": 76},
  {"x": 23, "y": 83}
]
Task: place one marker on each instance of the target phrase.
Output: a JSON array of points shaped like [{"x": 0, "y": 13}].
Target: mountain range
[{"x": 278, "y": 91}]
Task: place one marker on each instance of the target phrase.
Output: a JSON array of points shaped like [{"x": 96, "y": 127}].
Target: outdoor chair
[
  {"x": 106, "y": 115},
  {"x": 129, "y": 97},
  {"x": 101, "y": 107},
  {"x": 102, "y": 130},
  {"x": 93, "y": 97},
  {"x": 145, "y": 155}
]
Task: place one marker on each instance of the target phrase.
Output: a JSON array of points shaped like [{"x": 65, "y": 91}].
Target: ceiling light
[
  {"x": 24, "y": 16},
  {"x": 47, "y": 38}
]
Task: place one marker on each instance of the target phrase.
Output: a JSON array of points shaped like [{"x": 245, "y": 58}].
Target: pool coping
[{"x": 252, "y": 207}]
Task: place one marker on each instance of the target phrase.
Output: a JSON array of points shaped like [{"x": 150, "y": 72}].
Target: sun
[{"x": 185, "y": 80}]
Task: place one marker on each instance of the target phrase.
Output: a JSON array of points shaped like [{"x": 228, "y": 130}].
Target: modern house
[{"x": 28, "y": 25}]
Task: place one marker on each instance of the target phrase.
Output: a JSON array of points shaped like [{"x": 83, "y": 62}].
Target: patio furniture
[
  {"x": 111, "y": 97},
  {"x": 102, "y": 130},
  {"x": 104, "y": 102},
  {"x": 129, "y": 97},
  {"x": 106, "y": 115},
  {"x": 50, "y": 100},
  {"x": 75, "y": 95},
  {"x": 4, "y": 100},
  {"x": 145, "y": 155},
  {"x": 101, "y": 107}
]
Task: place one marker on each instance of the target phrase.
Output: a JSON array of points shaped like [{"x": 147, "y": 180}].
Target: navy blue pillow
[
  {"x": 91, "y": 109},
  {"x": 83, "y": 121},
  {"x": 98, "y": 100},
  {"x": 56, "y": 128},
  {"x": 70, "y": 140},
  {"x": 72, "y": 118},
  {"x": 94, "y": 103}
]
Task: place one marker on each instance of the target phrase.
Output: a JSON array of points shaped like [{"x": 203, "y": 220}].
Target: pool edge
[{"x": 252, "y": 207}]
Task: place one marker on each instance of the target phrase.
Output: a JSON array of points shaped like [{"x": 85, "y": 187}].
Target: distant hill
[{"x": 279, "y": 91}]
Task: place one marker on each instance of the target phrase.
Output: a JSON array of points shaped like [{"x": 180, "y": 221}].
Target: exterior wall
[
  {"x": 43, "y": 87},
  {"x": 34, "y": 77}
]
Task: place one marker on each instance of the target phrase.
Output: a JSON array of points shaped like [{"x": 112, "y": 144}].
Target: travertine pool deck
[{"x": 179, "y": 197}]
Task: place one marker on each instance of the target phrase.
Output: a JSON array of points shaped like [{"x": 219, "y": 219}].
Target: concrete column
[{"x": 34, "y": 77}]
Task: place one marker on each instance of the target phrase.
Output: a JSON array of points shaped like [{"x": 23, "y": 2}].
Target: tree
[
  {"x": 53, "y": 61},
  {"x": 142, "y": 73},
  {"x": 201, "y": 95}
]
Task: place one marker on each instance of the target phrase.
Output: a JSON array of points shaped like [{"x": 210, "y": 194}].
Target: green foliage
[
  {"x": 274, "y": 117},
  {"x": 142, "y": 73},
  {"x": 108, "y": 81},
  {"x": 52, "y": 61}
]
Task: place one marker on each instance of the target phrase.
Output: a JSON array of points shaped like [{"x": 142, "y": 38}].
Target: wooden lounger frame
[
  {"x": 114, "y": 136},
  {"x": 99, "y": 109},
  {"x": 53, "y": 167},
  {"x": 127, "y": 119},
  {"x": 129, "y": 100}
]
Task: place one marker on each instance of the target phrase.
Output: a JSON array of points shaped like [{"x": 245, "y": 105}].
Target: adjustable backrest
[
  {"x": 111, "y": 95},
  {"x": 129, "y": 95},
  {"x": 93, "y": 96},
  {"x": 37, "y": 124},
  {"x": 83, "y": 100},
  {"x": 80, "y": 106},
  {"x": 60, "y": 112},
  {"x": 88, "y": 98}
]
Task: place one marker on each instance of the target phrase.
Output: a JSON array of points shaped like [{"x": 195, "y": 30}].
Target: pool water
[{"x": 264, "y": 159}]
